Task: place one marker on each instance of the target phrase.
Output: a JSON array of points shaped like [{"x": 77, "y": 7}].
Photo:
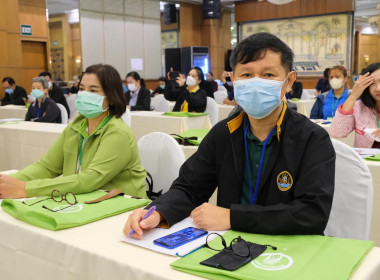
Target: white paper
[
  {"x": 149, "y": 236},
  {"x": 367, "y": 152},
  {"x": 10, "y": 120},
  {"x": 369, "y": 131},
  {"x": 137, "y": 64}
]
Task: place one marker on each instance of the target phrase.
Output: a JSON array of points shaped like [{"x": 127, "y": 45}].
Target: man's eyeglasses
[
  {"x": 57, "y": 196},
  {"x": 238, "y": 245}
]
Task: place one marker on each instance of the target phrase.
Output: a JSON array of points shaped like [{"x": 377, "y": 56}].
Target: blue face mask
[
  {"x": 162, "y": 86},
  {"x": 89, "y": 104},
  {"x": 258, "y": 97},
  {"x": 37, "y": 93},
  {"x": 9, "y": 90}
]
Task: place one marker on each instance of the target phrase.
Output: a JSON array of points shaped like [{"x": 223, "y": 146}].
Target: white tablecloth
[
  {"x": 145, "y": 122},
  {"x": 304, "y": 106},
  {"x": 13, "y": 111},
  {"x": 223, "y": 110},
  {"x": 94, "y": 251}
]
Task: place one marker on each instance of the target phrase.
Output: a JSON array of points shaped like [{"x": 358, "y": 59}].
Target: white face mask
[
  {"x": 132, "y": 87},
  {"x": 50, "y": 84},
  {"x": 336, "y": 83},
  {"x": 190, "y": 81}
]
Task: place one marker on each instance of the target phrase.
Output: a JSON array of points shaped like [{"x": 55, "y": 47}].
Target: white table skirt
[{"x": 13, "y": 111}]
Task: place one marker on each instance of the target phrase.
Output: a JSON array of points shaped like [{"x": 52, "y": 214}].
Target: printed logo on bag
[
  {"x": 284, "y": 181},
  {"x": 71, "y": 209},
  {"x": 273, "y": 261}
]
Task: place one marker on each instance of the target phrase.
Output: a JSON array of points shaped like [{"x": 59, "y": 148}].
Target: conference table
[
  {"x": 304, "y": 106},
  {"x": 144, "y": 122},
  {"x": 13, "y": 111},
  {"x": 223, "y": 110},
  {"x": 95, "y": 251}
]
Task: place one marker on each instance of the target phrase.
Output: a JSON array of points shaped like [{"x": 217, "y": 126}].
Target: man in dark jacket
[
  {"x": 55, "y": 92},
  {"x": 274, "y": 168},
  {"x": 13, "y": 93}
]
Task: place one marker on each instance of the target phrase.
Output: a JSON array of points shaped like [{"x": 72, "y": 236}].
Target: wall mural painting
[
  {"x": 57, "y": 64},
  {"x": 317, "y": 42}
]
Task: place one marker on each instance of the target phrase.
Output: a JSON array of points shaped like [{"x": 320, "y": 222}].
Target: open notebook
[{"x": 149, "y": 236}]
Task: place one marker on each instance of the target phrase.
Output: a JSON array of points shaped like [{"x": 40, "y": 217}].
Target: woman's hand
[
  {"x": 181, "y": 80},
  {"x": 361, "y": 84},
  {"x": 11, "y": 187},
  {"x": 376, "y": 133}
]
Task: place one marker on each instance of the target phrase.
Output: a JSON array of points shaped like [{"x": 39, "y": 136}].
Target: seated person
[
  {"x": 361, "y": 110},
  {"x": 204, "y": 84},
  {"x": 13, "y": 93},
  {"x": 230, "y": 99},
  {"x": 188, "y": 97},
  {"x": 96, "y": 150},
  {"x": 75, "y": 87},
  {"x": 288, "y": 191},
  {"x": 161, "y": 87},
  {"x": 43, "y": 109},
  {"x": 138, "y": 97},
  {"x": 323, "y": 84},
  {"x": 327, "y": 103},
  {"x": 296, "y": 91},
  {"x": 56, "y": 92},
  {"x": 210, "y": 78}
]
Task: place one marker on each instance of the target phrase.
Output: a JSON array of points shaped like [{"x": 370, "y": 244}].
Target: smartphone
[
  {"x": 173, "y": 75},
  {"x": 180, "y": 237}
]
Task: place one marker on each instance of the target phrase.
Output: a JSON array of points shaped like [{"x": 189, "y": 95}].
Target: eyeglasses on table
[{"x": 57, "y": 196}]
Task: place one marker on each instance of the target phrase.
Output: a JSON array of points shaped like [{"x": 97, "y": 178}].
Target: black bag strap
[{"x": 150, "y": 193}]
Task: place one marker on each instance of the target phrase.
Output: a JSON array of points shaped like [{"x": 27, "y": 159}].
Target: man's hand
[
  {"x": 139, "y": 225},
  {"x": 211, "y": 217},
  {"x": 11, "y": 187}
]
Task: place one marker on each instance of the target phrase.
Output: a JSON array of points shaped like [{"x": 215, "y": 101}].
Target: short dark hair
[
  {"x": 366, "y": 96},
  {"x": 9, "y": 80},
  {"x": 326, "y": 73},
  {"x": 200, "y": 74},
  {"x": 340, "y": 68},
  {"x": 137, "y": 77},
  {"x": 111, "y": 83},
  {"x": 46, "y": 73},
  {"x": 162, "y": 79},
  {"x": 255, "y": 47},
  {"x": 212, "y": 75}
]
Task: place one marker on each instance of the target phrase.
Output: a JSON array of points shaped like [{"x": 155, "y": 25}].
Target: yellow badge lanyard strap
[{"x": 84, "y": 141}]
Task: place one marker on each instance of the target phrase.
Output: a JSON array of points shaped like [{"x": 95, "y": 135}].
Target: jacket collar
[
  {"x": 236, "y": 122},
  {"x": 80, "y": 125}
]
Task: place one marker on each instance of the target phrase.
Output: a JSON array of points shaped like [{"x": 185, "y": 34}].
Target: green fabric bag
[
  {"x": 191, "y": 136},
  {"x": 76, "y": 215},
  {"x": 294, "y": 99},
  {"x": 184, "y": 114},
  {"x": 310, "y": 257},
  {"x": 374, "y": 158}
]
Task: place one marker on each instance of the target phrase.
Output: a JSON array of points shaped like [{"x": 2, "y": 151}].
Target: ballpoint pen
[{"x": 150, "y": 211}]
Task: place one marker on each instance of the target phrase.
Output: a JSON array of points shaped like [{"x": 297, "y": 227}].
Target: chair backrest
[
  {"x": 305, "y": 95},
  {"x": 64, "y": 117},
  {"x": 126, "y": 117},
  {"x": 351, "y": 211},
  {"x": 160, "y": 104},
  {"x": 162, "y": 157},
  {"x": 219, "y": 96},
  {"x": 212, "y": 109},
  {"x": 71, "y": 103},
  {"x": 222, "y": 88}
]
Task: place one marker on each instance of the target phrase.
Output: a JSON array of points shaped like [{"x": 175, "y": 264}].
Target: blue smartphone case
[{"x": 180, "y": 237}]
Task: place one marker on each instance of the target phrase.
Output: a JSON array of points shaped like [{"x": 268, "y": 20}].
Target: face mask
[
  {"x": 162, "y": 86},
  {"x": 9, "y": 90},
  {"x": 132, "y": 87},
  {"x": 50, "y": 84},
  {"x": 37, "y": 93},
  {"x": 209, "y": 79},
  {"x": 336, "y": 83},
  {"x": 89, "y": 104},
  {"x": 258, "y": 97},
  {"x": 190, "y": 81}
]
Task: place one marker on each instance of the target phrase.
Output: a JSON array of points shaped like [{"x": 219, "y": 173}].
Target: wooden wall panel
[
  {"x": 190, "y": 25},
  {"x": 308, "y": 7},
  {"x": 33, "y": 3},
  {"x": 338, "y": 6},
  {"x": 56, "y": 34},
  {"x": 368, "y": 47},
  {"x": 11, "y": 8},
  {"x": 14, "y": 55},
  {"x": 36, "y": 17}
]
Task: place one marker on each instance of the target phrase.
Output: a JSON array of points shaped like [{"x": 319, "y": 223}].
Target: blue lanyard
[
  {"x": 254, "y": 196},
  {"x": 332, "y": 102},
  {"x": 37, "y": 110}
]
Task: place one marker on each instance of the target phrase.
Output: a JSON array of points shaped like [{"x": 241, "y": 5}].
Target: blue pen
[{"x": 150, "y": 211}]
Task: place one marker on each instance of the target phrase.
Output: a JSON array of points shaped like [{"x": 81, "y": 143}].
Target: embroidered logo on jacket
[{"x": 284, "y": 181}]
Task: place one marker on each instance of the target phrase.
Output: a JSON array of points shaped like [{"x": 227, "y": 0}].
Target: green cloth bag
[
  {"x": 373, "y": 158},
  {"x": 184, "y": 114},
  {"x": 76, "y": 215},
  {"x": 310, "y": 257},
  {"x": 184, "y": 136}
]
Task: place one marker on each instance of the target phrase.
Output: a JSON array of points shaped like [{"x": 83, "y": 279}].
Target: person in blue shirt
[
  {"x": 323, "y": 83},
  {"x": 328, "y": 102}
]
